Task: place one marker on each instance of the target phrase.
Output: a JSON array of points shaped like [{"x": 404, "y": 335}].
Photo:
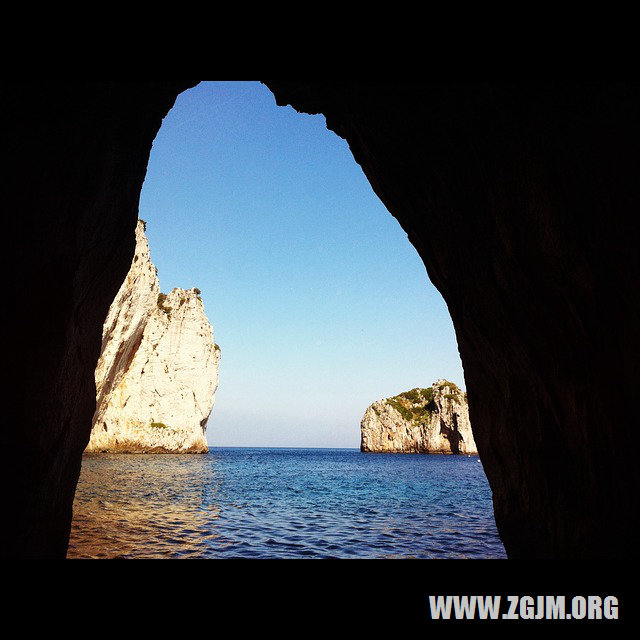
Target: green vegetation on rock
[
  {"x": 405, "y": 412},
  {"x": 158, "y": 425},
  {"x": 414, "y": 406},
  {"x": 452, "y": 385},
  {"x": 418, "y": 395}
]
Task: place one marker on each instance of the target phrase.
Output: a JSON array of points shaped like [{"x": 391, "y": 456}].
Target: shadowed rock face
[
  {"x": 519, "y": 199},
  {"x": 76, "y": 156}
]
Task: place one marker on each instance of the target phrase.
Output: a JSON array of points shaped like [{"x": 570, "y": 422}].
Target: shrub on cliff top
[
  {"x": 162, "y": 297},
  {"x": 414, "y": 406},
  {"x": 405, "y": 412},
  {"x": 412, "y": 396},
  {"x": 418, "y": 395},
  {"x": 452, "y": 385}
]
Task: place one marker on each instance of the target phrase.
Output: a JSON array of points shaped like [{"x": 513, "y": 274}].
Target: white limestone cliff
[
  {"x": 157, "y": 374},
  {"x": 431, "y": 420}
]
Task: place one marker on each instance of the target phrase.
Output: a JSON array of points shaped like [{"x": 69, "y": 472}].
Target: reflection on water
[
  {"x": 282, "y": 503},
  {"x": 144, "y": 506}
]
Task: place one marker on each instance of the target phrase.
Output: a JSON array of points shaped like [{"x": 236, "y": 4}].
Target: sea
[{"x": 283, "y": 503}]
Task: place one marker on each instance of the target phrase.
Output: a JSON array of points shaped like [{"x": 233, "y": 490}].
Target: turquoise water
[{"x": 283, "y": 503}]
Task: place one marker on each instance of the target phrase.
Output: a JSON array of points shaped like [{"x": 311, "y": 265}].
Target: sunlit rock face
[
  {"x": 158, "y": 371},
  {"x": 431, "y": 420}
]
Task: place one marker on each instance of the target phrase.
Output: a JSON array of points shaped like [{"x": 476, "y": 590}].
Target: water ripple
[{"x": 283, "y": 503}]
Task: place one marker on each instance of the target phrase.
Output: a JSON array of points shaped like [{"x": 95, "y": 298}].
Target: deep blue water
[{"x": 283, "y": 503}]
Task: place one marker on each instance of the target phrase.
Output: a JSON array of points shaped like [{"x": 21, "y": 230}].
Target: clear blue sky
[{"x": 317, "y": 299}]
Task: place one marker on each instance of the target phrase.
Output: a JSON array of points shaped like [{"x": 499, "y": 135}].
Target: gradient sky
[{"x": 317, "y": 299}]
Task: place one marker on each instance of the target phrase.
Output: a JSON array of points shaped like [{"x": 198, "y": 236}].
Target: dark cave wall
[
  {"x": 76, "y": 156},
  {"x": 520, "y": 199}
]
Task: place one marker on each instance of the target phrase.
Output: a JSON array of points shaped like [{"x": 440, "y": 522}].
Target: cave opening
[
  {"x": 518, "y": 196},
  {"x": 320, "y": 305}
]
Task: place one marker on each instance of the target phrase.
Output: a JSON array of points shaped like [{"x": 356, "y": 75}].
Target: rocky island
[
  {"x": 157, "y": 374},
  {"x": 431, "y": 420}
]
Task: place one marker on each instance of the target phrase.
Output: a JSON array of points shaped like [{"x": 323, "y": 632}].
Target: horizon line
[{"x": 231, "y": 446}]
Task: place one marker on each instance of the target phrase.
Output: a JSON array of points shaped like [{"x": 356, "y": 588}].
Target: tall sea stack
[
  {"x": 157, "y": 374},
  {"x": 431, "y": 420}
]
